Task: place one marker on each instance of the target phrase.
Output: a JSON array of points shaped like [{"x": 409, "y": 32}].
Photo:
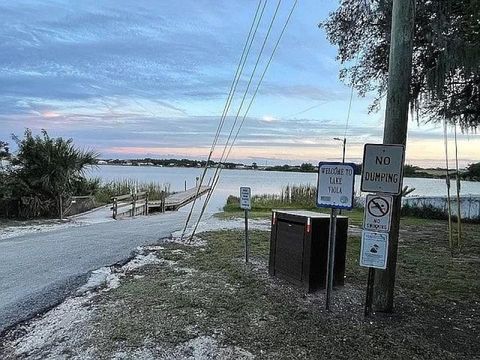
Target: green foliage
[
  {"x": 307, "y": 167},
  {"x": 46, "y": 172},
  {"x": 409, "y": 170},
  {"x": 425, "y": 212},
  {"x": 291, "y": 197},
  {"x": 4, "y": 150},
  {"x": 446, "y": 55},
  {"x": 473, "y": 171},
  {"x": 105, "y": 192}
]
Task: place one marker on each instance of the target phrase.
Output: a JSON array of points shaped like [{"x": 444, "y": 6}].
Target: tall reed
[
  {"x": 127, "y": 186},
  {"x": 291, "y": 196}
]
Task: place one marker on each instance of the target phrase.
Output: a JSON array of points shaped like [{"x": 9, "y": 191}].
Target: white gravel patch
[
  {"x": 61, "y": 332},
  {"x": 20, "y": 228},
  {"x": 97, "y": 279},
  {"x": 199, "y": 348},
  {"x": 214, "y": 223},
  {"x": 206, "y": 348}
]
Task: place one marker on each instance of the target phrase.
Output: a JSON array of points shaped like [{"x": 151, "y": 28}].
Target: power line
[
  {"x": 216, "y": 179},
  {"x": 238, "y": 73},
  {"x": 250, "y": 80},
  {"x": 222, "y": 157}
]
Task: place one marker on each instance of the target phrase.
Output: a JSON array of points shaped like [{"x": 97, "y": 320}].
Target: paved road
[{"x": 38, "y": 270}]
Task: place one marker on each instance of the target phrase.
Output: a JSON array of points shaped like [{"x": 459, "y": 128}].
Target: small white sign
[
  {"x": 374, "y": 249},
  {"x": 382, "y": 169},
  {"x": 245, "y": 201},
  {"x": 378, "y": 213},
  {"x": 335, "y": 185}
]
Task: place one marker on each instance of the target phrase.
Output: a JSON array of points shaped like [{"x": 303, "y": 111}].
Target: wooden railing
[{"x": 130, "y": 204}]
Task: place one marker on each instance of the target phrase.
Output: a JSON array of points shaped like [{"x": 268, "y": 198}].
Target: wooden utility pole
[{"x": 395, "y": 131}]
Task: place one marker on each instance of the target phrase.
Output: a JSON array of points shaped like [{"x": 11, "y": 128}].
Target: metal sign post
[
  {"x": 246, "y": 235},
  {"x": 382, "y": 174},
  {"x": 332, "y": 236},
  {"x": 245, "y": 204},
  {"x": 334, "y": 191}
]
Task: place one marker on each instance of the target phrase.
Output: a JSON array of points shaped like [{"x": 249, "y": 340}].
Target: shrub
[
  {"x": 106, "y": 191},
  {"x": 45, "y": 173}
]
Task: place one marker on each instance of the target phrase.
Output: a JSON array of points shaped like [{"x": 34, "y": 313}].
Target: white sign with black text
[
  {"x": 335, "y": 185},
  {"x": 374, "y": 249},
  {"x": 382, "y": 169},
  {"x": 378, "y": 213},
  {"x": 245, "y": 201}
]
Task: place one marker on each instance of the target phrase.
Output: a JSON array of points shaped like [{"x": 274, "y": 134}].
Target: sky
[{"x": 134, "y": 79}]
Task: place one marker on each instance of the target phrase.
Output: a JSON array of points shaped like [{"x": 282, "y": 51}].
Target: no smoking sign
[{"x": 378, "y": 213}]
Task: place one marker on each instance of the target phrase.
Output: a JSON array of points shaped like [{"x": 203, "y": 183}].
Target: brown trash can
[{"x": 299, "y": 248}]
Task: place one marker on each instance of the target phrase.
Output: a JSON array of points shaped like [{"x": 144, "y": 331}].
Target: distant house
[{"x": 102, "y": 162}]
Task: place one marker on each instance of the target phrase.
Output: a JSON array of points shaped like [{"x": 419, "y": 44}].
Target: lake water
[{"x": 261, "y": 182}]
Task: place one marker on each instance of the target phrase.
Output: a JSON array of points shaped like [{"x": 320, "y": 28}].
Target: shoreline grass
[{"x": 110, "y": 189}]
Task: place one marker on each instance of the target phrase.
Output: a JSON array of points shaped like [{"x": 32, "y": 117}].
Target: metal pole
[
  {"x": 369, "y": 298},
  {"x": 331, "y": 255},
  {"x": 343, "y": 159},
  {"x": 246, "y": 236},
  {"x": 395, "y": 131}
]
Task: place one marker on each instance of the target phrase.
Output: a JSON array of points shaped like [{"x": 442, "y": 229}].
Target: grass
[
  {"x": 106, "y": 191},
  {"x": 209, "y": 291},
  {"x": 355, "y": 216},
  {"x": 303, "y": 197}
]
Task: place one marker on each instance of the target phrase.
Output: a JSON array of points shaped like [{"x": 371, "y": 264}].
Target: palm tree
[{"x": 51, "y": 166}]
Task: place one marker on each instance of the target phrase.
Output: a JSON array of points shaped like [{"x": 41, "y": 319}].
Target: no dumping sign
[{"x": 382, "y": 169}]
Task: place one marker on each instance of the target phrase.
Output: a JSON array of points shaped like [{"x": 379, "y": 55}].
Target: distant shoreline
[{"x": 421, "y": 174}]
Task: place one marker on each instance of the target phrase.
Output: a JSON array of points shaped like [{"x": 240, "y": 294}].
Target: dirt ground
[{"x": 178, "y": 301}]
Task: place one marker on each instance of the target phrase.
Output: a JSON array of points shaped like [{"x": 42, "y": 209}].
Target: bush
[
  {"x": 46, "y": 172},
  {"x": 293, "y": 197},
  {"x": 424, "y": 211},
  {"x": 105, "y": 192}
]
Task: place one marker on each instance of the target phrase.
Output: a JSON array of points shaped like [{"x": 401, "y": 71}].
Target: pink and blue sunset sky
[{"x": 149, "y": 79}]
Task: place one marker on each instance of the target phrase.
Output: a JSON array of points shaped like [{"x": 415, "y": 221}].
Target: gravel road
[{"x": 38, "y": 270}]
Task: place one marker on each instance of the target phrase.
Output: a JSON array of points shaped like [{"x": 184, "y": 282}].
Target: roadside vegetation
[
  {"x": 46, "y": 174},
  {"x": 303, "y": 197},
  {"x": 204, "y": 300},
  {"x": 43, "y": 174},
  {"x": 104, "y": 192}
]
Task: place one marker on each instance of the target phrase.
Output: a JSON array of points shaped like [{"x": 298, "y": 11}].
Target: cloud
[
  {"x": 268, "y": 119},
  {"x": 149, "y": 76}
]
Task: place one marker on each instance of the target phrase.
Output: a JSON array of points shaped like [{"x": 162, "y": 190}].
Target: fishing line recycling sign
[
  {"x": 378, "y": 213},
  {"x": 374, "y": 249}
]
